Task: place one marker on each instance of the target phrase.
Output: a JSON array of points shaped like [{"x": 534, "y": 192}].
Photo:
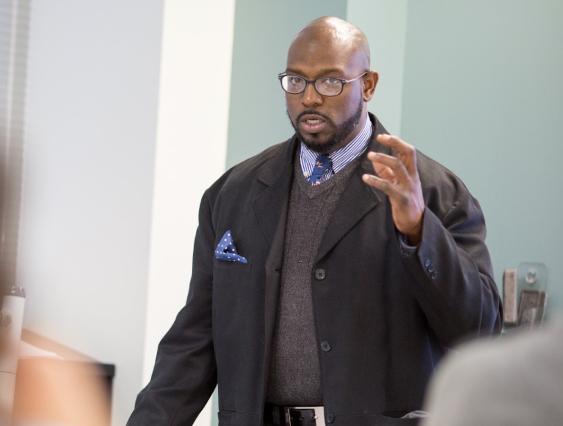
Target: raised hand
[{"x": 397, "y": 176}]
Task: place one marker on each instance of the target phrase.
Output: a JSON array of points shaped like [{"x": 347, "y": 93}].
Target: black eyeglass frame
[{"x": 343, "y": 82}]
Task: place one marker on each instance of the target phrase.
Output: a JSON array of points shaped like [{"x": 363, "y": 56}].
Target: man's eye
[
  {"x": 294, "y": 80},
  {"x": 330, "y": 82}
]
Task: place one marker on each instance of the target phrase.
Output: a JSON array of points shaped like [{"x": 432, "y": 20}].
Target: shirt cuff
[{"x": 407, "y": 249}]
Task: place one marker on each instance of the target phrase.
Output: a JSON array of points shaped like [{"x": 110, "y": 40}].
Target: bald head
[
  {"x": 336, "y": 35},
  {"x": 328, "y": 53}
]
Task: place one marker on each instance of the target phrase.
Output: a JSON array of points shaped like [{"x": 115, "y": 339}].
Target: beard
[{"x": 341, "y": 133}]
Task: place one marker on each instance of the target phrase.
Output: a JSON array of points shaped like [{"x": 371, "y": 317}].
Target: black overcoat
[{"x": 384, "y": 317}]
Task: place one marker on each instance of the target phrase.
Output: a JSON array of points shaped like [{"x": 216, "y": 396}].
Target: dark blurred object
[
  {"x": 532, "y": 284},
  {"x": 525, "y": 295},
  {"x": 510, "y": 296},
  {"x": 532, "y": 307}
]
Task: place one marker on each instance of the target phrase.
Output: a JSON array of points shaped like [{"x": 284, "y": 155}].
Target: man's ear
[{"x": 369, "y": 83}]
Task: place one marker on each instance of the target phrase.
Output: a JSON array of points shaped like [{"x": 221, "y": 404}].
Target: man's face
[{"x": 325, "y": 123}]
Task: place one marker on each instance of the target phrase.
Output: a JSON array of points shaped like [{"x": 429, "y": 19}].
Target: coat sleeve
[
  {"x": 184, "y": 374},
  {"x": 452, "y": 268}
]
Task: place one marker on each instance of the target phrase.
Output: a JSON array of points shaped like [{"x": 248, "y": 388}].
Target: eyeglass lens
[{"x": 326, "y": 86}]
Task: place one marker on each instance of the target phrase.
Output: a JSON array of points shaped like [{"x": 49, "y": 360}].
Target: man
[{"x": 324, "y": 277}]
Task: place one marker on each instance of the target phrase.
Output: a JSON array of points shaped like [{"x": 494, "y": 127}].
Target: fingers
[
  {"x": 404, "y": 151},
  {"x": 387, "y": 165},
  {"x": 384, "y": 185},
  {"x": 383, "y": 171},
  {"x": 396, "y": 174},
  {"x": 393, "y": 142},
  {"x": 397, "y": 177}
]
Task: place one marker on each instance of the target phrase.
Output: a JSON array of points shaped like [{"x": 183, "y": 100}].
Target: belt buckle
[
  {"x": 287, "y": 415},
  {"x": 319, "y": 414}
]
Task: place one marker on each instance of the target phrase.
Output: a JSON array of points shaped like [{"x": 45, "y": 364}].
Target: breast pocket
[
  {"x": 225, "y": 271},
  {"x": 233, "y": 293}
]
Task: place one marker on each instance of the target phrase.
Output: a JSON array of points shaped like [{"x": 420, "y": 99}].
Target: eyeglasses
[{"x": 326, "y": 86}]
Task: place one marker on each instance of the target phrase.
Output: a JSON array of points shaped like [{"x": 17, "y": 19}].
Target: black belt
[{"x": 293, "y": 416}]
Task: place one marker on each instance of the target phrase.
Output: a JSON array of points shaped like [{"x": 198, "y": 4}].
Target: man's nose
[{"x": 310, "y": 96}]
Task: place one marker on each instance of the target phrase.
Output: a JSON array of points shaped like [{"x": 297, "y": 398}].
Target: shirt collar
[{"x": 341, "y": 157}]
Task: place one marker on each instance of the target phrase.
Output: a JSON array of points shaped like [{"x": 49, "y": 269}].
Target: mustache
[{"x": 310, "y": 111}]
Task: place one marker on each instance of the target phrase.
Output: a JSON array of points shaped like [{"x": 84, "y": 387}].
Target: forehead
[{"x": 314, "y": 56}]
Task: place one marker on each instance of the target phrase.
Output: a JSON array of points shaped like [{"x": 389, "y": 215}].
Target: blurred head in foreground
[{"x": 513, "y": 381}]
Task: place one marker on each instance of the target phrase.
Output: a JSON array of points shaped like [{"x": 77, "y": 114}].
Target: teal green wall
[
  {"x": 476, "y": 85},
  {"x": 384, "y": 24},
  {"x": 482, "y": 94},
  {"x": 263, "y": 31}
]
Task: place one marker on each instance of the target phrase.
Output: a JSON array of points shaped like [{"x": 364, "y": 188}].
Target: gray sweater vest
[{"x": 295, "y": 377}]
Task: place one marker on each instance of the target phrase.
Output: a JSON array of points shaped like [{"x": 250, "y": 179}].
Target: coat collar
[
  {"x": 276, "y": 173},
  {"x": 277, "y": 166}
]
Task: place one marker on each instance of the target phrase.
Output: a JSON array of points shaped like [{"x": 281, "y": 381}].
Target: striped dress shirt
[{"x": 340, "y": 158}]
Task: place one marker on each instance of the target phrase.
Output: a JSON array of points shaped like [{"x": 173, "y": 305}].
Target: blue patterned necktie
[{"x": 323, "y": 163}]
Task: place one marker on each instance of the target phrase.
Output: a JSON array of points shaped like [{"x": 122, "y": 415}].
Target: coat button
[
  {"x": 320, "y": 274},
  {"x": 325, "y": 346},
  {"x": 329, "y": 417},
  {"x": 405, "y": 253}
]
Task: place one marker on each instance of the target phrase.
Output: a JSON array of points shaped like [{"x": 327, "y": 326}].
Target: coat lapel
[
  {"x": 275, "y": 176},
  {"x": 270, "y": 203},
  {"x": 356, "y": 201},
  {"x": 270, "y": 208}
]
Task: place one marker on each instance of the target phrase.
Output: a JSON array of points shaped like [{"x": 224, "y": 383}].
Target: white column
[{"x": 190, "y": 151}]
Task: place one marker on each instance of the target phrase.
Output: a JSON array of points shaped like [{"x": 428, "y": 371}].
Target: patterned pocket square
[{"x": 227, "y": 251}]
